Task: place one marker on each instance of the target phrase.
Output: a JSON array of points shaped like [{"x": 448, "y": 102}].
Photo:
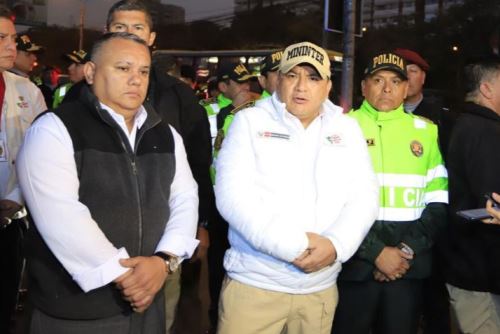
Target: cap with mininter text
[
  {"x": 389, "y": 62},
  {"x": 306, "y": 53}
]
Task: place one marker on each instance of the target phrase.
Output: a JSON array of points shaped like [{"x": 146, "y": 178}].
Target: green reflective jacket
[{"x": 413, "y": 188}]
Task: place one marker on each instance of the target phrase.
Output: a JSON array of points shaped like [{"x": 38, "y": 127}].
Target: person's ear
[
  {"x": 222, "y": 87},
  {"x": 262, "y": 81},
  {"x": 330, "y": 85},
  {"x": 151, "y": 39},
  {"x": 89, "y": 72},
  {"x": 485, "y": 90},
  {"x": 406, "y": 89}
]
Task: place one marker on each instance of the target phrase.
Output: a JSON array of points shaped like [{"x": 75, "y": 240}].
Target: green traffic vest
[
  {"x": 406, "y": 158},
  {"x": 60, "y": 93},
  {"x": 221, "y": 134},
  {"x": 264, "y": 94},
  {"x": 212, "y": 107}
]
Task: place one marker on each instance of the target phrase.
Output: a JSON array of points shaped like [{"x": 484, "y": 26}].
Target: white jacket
[
  {"x": 264, "y": 183},
  {"x": 23, "y": 101}
]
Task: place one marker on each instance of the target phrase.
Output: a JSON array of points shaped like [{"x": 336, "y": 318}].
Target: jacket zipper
[
  {"x": 382, "y": 169},
  {"x": 131, "y": 156}
]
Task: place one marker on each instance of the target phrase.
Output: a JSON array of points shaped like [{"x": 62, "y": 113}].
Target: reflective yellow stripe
[{"x": 440, "y": 196}]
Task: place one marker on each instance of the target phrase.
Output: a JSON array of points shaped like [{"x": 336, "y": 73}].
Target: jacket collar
[
  {"x": 476, "y": 109},
  {"x": 91, "y": 101},
  {"x": 382, "y": 115},
  {"x": 279, "y": 108}
]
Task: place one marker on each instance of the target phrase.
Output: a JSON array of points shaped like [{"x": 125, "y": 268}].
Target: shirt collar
[
  {"x": 283, "y": 113},
  {"x": 139, "y": 119}
]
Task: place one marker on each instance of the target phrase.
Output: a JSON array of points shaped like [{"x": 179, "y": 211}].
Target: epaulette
[
  {"x": 206, "y": 102},
  {"x": 424, "y": 118},
  {"x": 218, "y": 140},
  {"x": 248, "y": 104}
]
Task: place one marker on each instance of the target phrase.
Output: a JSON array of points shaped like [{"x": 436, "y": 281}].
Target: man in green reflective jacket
[{"x": 384, "y": 278}]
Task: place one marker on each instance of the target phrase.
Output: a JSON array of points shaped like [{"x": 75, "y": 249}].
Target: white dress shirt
[{"x": 48, "y": 177}]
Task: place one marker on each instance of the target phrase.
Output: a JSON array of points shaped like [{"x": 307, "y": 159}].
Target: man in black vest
[
  {"x": 113, "y": 199},
  {"x": 176, "y": 104}
]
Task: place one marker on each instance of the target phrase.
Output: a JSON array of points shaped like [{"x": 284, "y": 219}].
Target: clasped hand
[
  {"x": 142, "y": 281},
  {"x": 392, "y": 264},
  {"x": 319, "y": 254}
]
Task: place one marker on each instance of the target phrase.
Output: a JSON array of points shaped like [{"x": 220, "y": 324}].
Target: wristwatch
[
  {"x": 406, "y": 249},
  {"x": 171, "y": 261},
  {"x": 18, "y": 215}
]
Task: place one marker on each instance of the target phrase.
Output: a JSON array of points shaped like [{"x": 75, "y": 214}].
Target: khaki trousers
[
  {"x": 172, "y": 291},
  {"x": 244, "y": 309},
  {"x": 476, "y": 312}
]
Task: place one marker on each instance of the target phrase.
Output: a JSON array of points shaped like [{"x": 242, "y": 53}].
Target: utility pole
[
  {"x": 82, "y": 22},
  {"x": 348, "y": 58}
]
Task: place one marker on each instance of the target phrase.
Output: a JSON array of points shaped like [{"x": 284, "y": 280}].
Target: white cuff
[
  {"x": 338, "y": 249},
  {"x": 103, "y": 274},
  {"x": 292, "y": 249},
  {"x": 179, "y": 245}
]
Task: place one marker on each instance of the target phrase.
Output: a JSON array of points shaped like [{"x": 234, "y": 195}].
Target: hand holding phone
[
  {"x": 494, "y": 203},
  {"x": 482, "y": 213},
  {"x": 493, "y": 208}
]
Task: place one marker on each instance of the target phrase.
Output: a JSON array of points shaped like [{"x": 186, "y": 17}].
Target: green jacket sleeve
[{"x": 371, "y": 246}]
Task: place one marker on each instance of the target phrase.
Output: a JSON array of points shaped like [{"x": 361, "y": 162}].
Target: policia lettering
[
  {"x": 276, "y": 57},
  {"x": 306, "y": 50},
  {"x": 411, "y": 197},
  {"x": 388, "y": 58}
]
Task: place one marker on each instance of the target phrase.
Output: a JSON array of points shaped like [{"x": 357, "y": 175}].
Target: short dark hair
[
  {"x": 129, "y": 5},
  {"x": 477, "y": 71},
  {"x": 5, "y": 13},
  {"x": 103, "y": 39},
  {"x": 188, "y": 72}
]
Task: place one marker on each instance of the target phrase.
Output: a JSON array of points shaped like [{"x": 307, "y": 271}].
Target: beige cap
[{"x": 306, "y": 53}]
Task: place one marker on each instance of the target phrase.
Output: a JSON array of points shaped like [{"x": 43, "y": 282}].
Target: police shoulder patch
[
  {"x": 219, "y": 139},
  {"x": 248, "y": 104},
  {"x": 425, "y": 119}
]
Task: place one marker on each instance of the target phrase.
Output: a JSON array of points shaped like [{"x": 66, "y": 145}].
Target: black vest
[{"x": 127, "y": 192}]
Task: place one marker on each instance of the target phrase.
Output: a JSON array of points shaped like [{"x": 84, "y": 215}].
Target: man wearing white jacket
[{"x": 295, "y": 183}]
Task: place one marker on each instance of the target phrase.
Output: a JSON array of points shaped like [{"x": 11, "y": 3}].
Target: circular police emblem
[{"x": 416, "y": 148}]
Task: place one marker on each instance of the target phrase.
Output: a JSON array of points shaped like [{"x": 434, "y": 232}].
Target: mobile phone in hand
[{"x": 474, "y": 214}]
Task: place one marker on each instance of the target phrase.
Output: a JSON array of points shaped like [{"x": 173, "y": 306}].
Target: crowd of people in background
[{"x": 118, "y": 179}]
